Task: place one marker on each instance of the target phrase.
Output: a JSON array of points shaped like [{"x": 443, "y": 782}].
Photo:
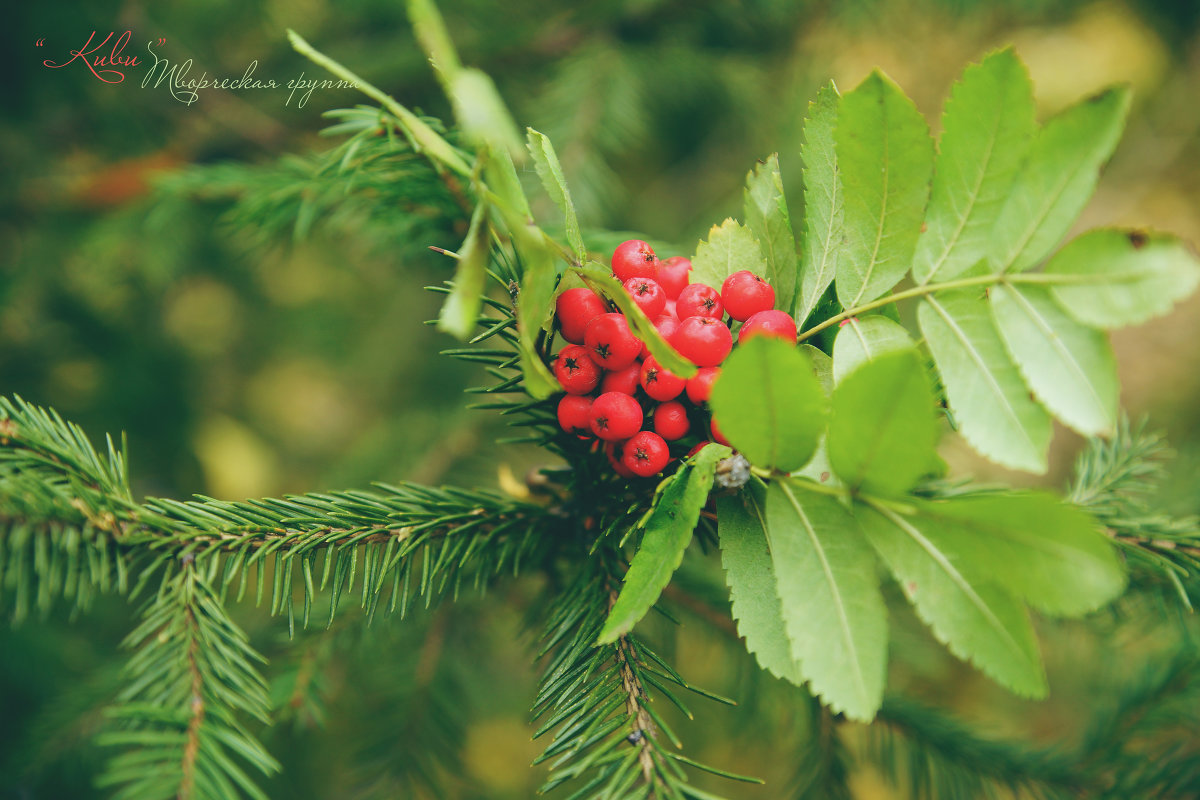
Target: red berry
[
  {"x": 699, "y": 300},
  {"x": 634, "y": 259},
  {"x": 573, "y": 416},
  {"x": 703, "y": 341},
  {"x": 614, "y": 451},
  {"x": 745, "y": 294},
  {"x": 777, "y": 324},
  {"x": 671, "y": 420},
  {"x": 575, "y": 308},
  {"x": 645, "y": 454},
  {"x": 671, "y": 310},
  {"x": 647, "y": 295},
  {"x": 575, "y": 370},
  {"x": 615, "y": 416},
  {"x": 610, "y": 343},
  {"x": 625, "y": 381},
  {"x": 700, "y": 385},
  {"x": 716, "y": 433},
  {"x": 699, "y": 446},
  {"x": 659, "y": 383},
  {"x": 673, "y": 275},
  {"x": 666, "y": 325}
]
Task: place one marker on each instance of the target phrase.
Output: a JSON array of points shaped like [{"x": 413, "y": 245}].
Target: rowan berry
[
  {"x": 625, "y": 381},
  {"x": 610, "y": 342},
  {"x": 645, "y": 454},
  {"x": 659, "y": 383},
  {"x": 634, "y": 259},
  {"x": 671, "y": 420},
  {"x": 647, "y": 295},
  {"x": 700, "y": 385},
  {"x": 776, "y": 324},
  {"x": 575, "y": 308},
  {"x": 615, "y": 416},
  {"x": 576, "y": 370},
  {"x": 699, "y": 300},
  {"x": 745, "y": 294},
  {"x": 573, "y": 413},
  {"x": 703, "y": 341},
  {"x": 673, "y": 275}
]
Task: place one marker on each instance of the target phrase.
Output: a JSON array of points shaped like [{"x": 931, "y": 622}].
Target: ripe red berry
[
  {"x": 659, "y": 383},
  {"x": 716, "y": 433},
  {"x": 671, "y": 420},
  {"x": 673, "y": 275},
  {"x": 575, "y": 370},
  {"x": 699, "y": 446},
  {"x": 703, "y": 341},
  {"x": 777, "y": 324},
  {"x": 666, "y": 325},
  {"x": 645, "y": 454},
  {"x": 615, "y": 416},
  {"x": 671, "y": 310},
  {"x": 610, "y": 343},
  {"x": 575, "y": 308},
  {"x": 634, "y": 259},
  {"x": 573, "y": 413},
  {"x": 614, "y": 451},
  {"x": 625, "y": 381},
  {"x": 745, "y": 294},
  {"x": 699, "y": 300},
  {"x": 700, "y": 385},
  {"x": 647, "y": 295}
]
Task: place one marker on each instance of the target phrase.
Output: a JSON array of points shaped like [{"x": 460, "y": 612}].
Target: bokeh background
[{"x": 151, "y": 281}]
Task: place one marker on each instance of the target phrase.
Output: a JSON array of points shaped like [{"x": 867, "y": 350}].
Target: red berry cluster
[{"x": 617, "y": 391}]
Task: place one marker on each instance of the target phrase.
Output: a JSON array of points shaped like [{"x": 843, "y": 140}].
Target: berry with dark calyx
[
  {"x": 615, "y": 416},
  {"x": 699, "y": 300},
  {"x": 610, "y": 342},
  {"x": 659, "y": 383},
  {"x": 745, "y": 294},
  {"x": 666, "y": 325},
  {"x": 703, "y": 341},
  {"x": 575, "y": 308},
  {"x": 671, "y": 420},
  {"x": 625, "y": 381},
  {"x": 647, "y": 295},
  {"x": 614, "y": 451},
  {"x": 699, "y": 386},
  {"x": 576, "y": 370},
  {"x": 673, "y": 275},
  {"x": 634, "y": 259},
  {"x": 777, "y": 324},
  {"x": 574, "y": 413},
  {"x": 645, "y": 454}
]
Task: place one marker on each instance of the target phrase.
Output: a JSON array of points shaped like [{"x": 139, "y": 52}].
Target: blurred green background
[{"x": 243, "y": 361}]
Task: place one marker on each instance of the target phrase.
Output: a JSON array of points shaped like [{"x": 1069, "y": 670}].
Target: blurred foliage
[{"x": 249, "y": 360}]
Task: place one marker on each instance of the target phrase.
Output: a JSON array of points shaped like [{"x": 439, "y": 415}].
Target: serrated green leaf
[
  {"x": 864, "y": 339},
  {"x": 977, "y": 620},
  {"x": 768, "y": 403},
  {"x": 829, "y": 588},
  {"x": 1044, "y": 551},
  {"x": 767, "y": 218},
  {"x": 1111, "y": 278},
  {"x": 1070, "y": 367},
  {"x": 985, "y": 390},
  {"x": 1056, "y": 180},
  {"x": 668, "y": 530},
  {"x": 822, "y": 203},
  {"x": 461, "y": 309},
  {"x": 753, "y": 592},
  {"x": 482, "y": 114},
  {"x": 600, "y": 279},
  {"x": 730, "y": 248},
  {"x": 987, "y": 126},
  {"x": 882, "y": 431},
  {"x": 549, "y": 170},
  {"x": 884, "y": 157}
]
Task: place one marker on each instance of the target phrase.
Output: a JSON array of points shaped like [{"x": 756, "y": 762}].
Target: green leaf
[
  {"x": 461, "y": 309},
  {"x": 822, "y": 203},
  {"x": 730, "y": 248},
  {"x": 1046, "y": 552},
  {"x": 668, "y": 530},
  {"x": 481, "y": 113},
  {"x": 987, "y": 126},
  {"x": 885, "y": 158},
  {"x": 1057, "y": 179},
  {"x": 832, "y": 606},
  {"x": 882, "y": 432},
  {"x": 817, "y": 468},
  {"x": 768, "y": 219},
  {"x": 600, "y": 279},
  {"x": 986, "y": 392},
  {"x": 1068, "y": 366},
  {"x": 865, "y": 339},
  {"x": 1111, "y": 278},
  {"x": 977, "y": 620},
  {"x": 768, "y": 403},
  {"x": 746, "y": 557},
  {"x": 549, "y": 170}
]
